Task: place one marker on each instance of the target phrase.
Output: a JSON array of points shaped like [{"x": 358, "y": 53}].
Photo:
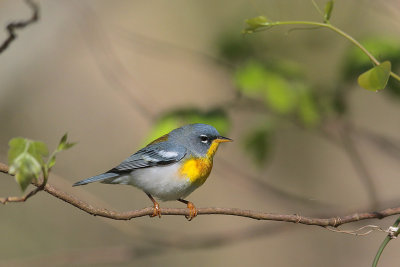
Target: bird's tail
[{"x": 97, "y": 178}]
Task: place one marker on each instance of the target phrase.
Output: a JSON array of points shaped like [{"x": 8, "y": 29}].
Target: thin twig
[
  {"x": 334, "y": 221},
  {"x": 3, "y": 168},
  {"x": 39, "y": 187},
  {"x": 4, "y": 200},
  {"x": 268, "y": 25},
  {"x": 19, "y": 25},
  {"x": 294, "y": 218}
]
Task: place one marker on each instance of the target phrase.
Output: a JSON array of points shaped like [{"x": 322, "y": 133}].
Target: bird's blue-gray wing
[{"x": 152, "y": 155}]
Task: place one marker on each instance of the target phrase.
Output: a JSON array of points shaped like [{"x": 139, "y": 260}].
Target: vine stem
[
  {"x": 387, "y": 239},
  {"x": 338, "y": 31}
]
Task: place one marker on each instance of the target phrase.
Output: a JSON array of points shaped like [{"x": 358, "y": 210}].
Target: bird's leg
[
  {"x": 157, "y": 210},
  {"x": 191, "y": 207}
]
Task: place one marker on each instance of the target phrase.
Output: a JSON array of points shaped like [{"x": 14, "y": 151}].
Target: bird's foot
[
  {"x": 192, "y": 211},
  {"x": 156, "y": 211}
]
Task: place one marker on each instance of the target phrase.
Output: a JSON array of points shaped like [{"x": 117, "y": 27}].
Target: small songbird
[{"x": 169, "y": 168}]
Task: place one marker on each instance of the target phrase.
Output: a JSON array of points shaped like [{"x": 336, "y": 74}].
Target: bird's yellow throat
[{"x": 198, "y": 169}]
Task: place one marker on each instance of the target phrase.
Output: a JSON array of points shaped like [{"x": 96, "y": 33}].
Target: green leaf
[
  {"x": 172, "y": 120},
  {"x": 256, "y": 81},
  {"x": 358, "y": 62},
  {"x": 17, "y": 146},
  {"x": 255, "y": 23},
  {"x": 38, "y": 150},
  {"x": 251, "y": 78},
  {"x": 308, "y": 110},
  {"x": 233, "y": 48},
  {"x": 64, "y": 138},
  {"x": 376, "y": 78},
  {"x": 25, "y": 168},
  {"x": 258, "y": 143},
  {"x": 328, "y": 10},
  {"x": 64, "y": 145},
  {"x": 62, "y": 141},
  {"x": 25, "y": 158},
  {"x": 279, "y": 95},
  {"x": 384, "y": 49},
  {"x": 289, "y": 69}
]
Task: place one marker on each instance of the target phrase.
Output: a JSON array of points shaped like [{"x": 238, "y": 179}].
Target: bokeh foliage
[{"x": 281, "y": 87}]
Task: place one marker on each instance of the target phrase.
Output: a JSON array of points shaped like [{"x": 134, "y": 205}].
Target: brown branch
[
  {"x": 4, "y": 200},
  {"x": 3, "y": 168},
  {"x": 19, "y": 25},
  {"x": 294, "y": 218}
]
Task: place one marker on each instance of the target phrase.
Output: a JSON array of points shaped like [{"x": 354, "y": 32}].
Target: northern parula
[{"x": 169, "y": 168}]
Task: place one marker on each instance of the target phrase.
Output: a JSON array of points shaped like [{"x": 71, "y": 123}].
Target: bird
[{"x": 170, "y": 167}]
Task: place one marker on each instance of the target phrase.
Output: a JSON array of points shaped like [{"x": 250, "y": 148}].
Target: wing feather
[{"x": 154, "y": 154}]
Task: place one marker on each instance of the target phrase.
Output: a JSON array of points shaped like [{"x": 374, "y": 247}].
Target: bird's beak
[{"x": 221, "y": 139}]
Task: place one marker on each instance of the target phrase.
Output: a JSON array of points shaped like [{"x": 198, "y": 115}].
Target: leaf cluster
[
  {"x": 375, "y": 78},
  {"x": 27, "y": 159}
]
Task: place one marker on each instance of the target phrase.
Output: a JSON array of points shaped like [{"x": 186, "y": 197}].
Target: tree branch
[
  {"x": 294, "y": 218},
  {"x": 11, "y": 27},
  {"x": 3, "y": 168},
  {"x": 4, "y": 200}
]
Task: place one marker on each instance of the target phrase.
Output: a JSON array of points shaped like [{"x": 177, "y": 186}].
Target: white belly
[{"x": 162, "y": 182}]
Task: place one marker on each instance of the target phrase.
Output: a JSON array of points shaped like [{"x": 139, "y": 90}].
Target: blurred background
[{"x": 115, "y": 74}]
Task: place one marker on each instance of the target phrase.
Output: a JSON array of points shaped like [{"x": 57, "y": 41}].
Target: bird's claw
[
  {"x": 156, "y": 210},
  {"x": 192, "y": 211}
]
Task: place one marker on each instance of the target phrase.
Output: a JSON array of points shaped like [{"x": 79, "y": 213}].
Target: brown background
[{"x": 88, "y": 66}]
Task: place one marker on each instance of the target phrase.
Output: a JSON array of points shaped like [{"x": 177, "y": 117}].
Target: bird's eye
[{"x": 204, "y": 138}]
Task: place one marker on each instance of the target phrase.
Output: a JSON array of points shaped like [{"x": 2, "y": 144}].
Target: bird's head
[{"x": 202, "y": 140}]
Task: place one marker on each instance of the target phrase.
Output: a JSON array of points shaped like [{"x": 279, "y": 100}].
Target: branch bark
[
  {"x": 19, "y": 25},
  {"x": 4, "y": 200},
  {"x": 294, "y": 218}
]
